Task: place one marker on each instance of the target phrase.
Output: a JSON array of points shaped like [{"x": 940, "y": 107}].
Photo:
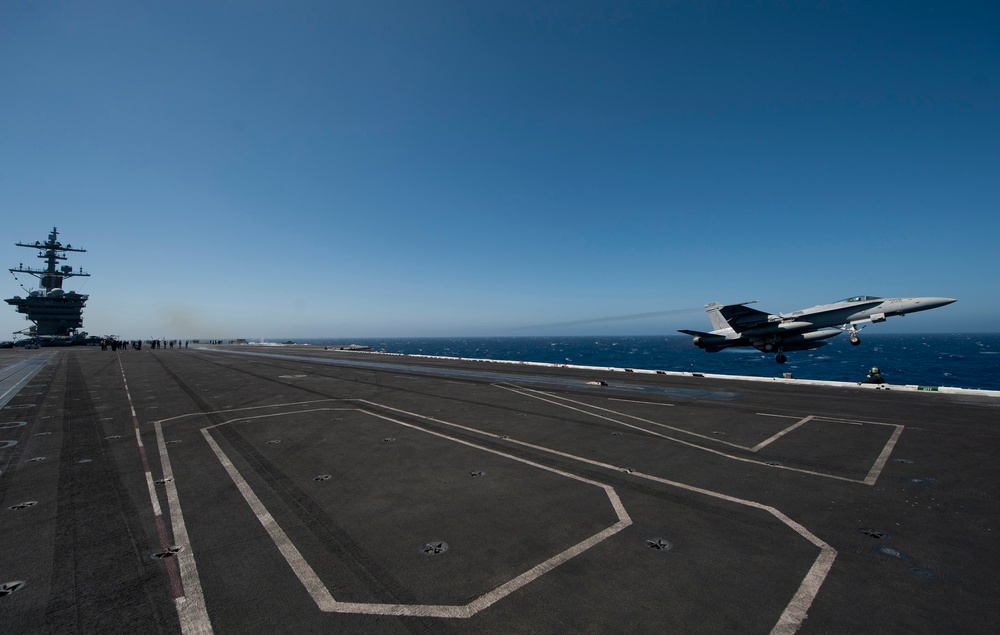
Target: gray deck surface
[{"x": 242, "y": 489}]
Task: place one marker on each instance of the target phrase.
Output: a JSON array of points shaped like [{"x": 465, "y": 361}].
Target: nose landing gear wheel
[{"x": 781, "y": 359}]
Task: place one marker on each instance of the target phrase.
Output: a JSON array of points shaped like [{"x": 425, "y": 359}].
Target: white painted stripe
[
  {"x": 325, "y": 601},
  {"x": 230, "y": 411},
  {"x": 797, "y": 608},
  {"x": 775, "y": 437},
  {"x": 486, "y": 600},
  {"x": 29, "y": 374},
  {"x": 816, "y": 418},
  {"x": 191, "y": 606},
  {"x": 173, "y": 571},
  {"x": 688, "y": 443},
  {"x": 153, "y": 498},
  {"x": 855, "y": 422},
  {"x": 790, "y": 621},
  {"x": 883, "y": 457},
  {"x": 525, "y": 391},
  {"x": 534, "y": 573},
  {"x": 648, "y": 403},
  {"x": 299, "y": 566},
  {"x": 870, "y": 479},
  {"x": 152, "y": 495},
  {"x": 278, "y": 414},
  {"x": 506, "y": 455}
]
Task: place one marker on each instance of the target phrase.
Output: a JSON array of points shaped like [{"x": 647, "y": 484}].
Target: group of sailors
[{"x": 121, "y": 345}]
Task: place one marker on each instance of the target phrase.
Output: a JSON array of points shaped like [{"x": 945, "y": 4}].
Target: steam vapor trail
[{"x": 616, "y": 318}]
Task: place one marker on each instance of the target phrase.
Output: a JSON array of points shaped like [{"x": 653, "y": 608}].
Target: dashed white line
[
  {"x": 183, "y": 574},
  {"x": 191, "y": 606}
]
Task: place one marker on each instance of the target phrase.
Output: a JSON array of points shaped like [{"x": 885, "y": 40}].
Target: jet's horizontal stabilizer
[{"x": 713, "y": 342}]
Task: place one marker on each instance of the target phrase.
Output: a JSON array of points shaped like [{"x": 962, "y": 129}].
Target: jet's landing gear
[
  {"x": 855, "y": 340},
  {"x": 771, "y": 346}
]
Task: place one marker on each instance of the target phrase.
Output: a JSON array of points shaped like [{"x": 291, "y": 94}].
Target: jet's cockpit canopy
[{"x": 861, "y": 298}]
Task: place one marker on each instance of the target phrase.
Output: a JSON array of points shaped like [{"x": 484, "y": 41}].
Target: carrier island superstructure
[{"x": 57, "y": 314}]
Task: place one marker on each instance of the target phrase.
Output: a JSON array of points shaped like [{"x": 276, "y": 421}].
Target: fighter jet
[{"x": 803, "y": 330}]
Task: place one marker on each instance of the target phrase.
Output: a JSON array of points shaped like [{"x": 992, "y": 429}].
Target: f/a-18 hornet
[{"x": 803, "y": 330}]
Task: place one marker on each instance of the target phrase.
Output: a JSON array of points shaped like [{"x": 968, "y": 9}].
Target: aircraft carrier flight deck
[{"x": 238, "y": 489}]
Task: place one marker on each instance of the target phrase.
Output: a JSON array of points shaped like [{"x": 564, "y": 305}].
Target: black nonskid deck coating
[{"x": 311, "y": 491}]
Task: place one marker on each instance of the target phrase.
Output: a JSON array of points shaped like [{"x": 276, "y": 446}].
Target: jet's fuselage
[
  {"x": 806, "y": 329},
  {"x": 845, "y": 312}
]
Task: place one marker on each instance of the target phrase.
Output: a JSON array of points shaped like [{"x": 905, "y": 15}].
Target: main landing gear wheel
[
  {"x": 855, "y": 340},
  {"x": 781, "y": 359}
]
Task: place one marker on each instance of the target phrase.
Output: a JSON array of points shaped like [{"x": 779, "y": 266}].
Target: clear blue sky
[{"x": 380, "y": 168}]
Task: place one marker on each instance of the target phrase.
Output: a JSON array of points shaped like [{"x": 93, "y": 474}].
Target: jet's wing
[{"x": 856, "y": 304}]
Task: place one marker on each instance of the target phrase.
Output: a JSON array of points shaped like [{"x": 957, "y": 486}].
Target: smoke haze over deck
[{"x": 391, "y": 169}]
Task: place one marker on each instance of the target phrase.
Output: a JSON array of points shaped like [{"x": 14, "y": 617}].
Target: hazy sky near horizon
[{"x": 386, "y": 168}]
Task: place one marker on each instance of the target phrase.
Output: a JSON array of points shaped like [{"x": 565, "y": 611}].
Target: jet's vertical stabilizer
[
  {"x": 737, "y": 317},
  {"x": 715, "y": 315}
]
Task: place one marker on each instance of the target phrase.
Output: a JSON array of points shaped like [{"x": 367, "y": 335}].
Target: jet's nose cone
[{"x": 933, "y": 303}]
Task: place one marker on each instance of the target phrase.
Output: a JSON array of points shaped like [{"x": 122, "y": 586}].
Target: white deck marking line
[
  {"x": 648, "y": 403},
  {"x": 161, "y": 528},
  {"x": 781, "y": 433},
  {"x": 857, "y": 422},
  {"x": 853, "y": 422},
  {"x": 191, "y": 606},
  {"x": 798, "y": 609},
  {"x": 795, "y": 612},
  {"x": 690, "y": 444},
  {"x": 870, "y": 479},
  {"x": 884, "y": 457},
  {"x": 10, "y": 370},
  {"x": 484, "y": 601},
  {"x": 518, "y": 389},
  {"x": 276, "y": 414},
  {"x": 38, "y": 363},
  {"x": 188, "y": 599},
  {"x": 321, "y": 595},
  {"x": 317, "y": 590},
  {"x": 232, "y": 410}
]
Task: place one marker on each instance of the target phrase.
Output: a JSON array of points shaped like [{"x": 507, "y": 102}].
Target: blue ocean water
[{"x": 968, "y": 360}]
